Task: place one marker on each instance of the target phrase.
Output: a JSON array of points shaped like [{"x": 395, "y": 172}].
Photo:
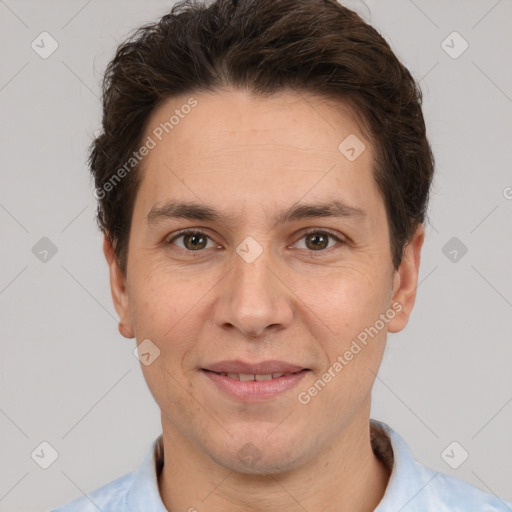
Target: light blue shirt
[{"x": 412, "y": 486}]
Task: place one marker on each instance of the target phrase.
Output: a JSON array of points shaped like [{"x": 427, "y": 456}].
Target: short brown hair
[{"x": 264, "y": 46}]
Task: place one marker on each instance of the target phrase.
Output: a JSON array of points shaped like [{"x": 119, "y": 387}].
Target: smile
[
  {"x": 252, "y": 376},
  {"x": 254, "y": 387}
]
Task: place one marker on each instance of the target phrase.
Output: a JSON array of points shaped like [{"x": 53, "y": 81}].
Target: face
[{"x": 255, "y": 299}]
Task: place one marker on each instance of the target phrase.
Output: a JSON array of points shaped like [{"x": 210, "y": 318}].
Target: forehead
[
  {"x": 298, "y": 122},
  {"x": 249, "y": 149}
]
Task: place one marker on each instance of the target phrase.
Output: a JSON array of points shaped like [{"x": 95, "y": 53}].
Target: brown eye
[
  {"x": 318, "y": 240},
  {"x": 192, "y": 240}
]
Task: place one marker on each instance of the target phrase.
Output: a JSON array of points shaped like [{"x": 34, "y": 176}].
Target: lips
[
  {"x": 253, "y": 376},
  {"x": 254, "y": 382},
  {"x": 263, "y": 368}
]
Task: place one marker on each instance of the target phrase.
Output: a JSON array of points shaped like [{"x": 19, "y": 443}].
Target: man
[{"x": 263, "y": 176}]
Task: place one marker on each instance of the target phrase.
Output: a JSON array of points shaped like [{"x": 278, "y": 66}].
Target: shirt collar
[
  {"x": 408, "y": 477},
  {"x": 387, "y": 445},
  {"x": 144, "y": 493}
]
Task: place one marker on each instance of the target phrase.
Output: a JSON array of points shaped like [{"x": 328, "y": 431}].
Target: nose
[{"x": 254, "y": 298}]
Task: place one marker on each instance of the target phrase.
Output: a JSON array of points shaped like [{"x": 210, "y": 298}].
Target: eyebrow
[{"x": 188, "y": 210}]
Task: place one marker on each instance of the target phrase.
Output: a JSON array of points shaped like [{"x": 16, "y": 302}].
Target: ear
[
  {"x": 405, "y": 281},
  {"x": 118, "y": 290}
]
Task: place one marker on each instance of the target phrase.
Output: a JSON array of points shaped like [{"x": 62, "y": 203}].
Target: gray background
[{"x": 67, "y": 376}]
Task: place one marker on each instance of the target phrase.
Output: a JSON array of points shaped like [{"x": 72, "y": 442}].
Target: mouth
[
  {"x": 239, "y": 367},
  {"x": 254, "y": 382},
  {"x": 246, "y": 377}
]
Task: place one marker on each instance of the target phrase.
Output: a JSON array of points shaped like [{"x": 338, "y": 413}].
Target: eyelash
[{"x": 312, "y": 231}]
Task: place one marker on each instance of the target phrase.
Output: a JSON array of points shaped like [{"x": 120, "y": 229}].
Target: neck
[{"x": 346, "y": 476}]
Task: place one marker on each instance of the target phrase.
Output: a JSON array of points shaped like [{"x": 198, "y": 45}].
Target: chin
[
  {"x": 254, "y": 463},
  {"x": 258, "y": 455}
]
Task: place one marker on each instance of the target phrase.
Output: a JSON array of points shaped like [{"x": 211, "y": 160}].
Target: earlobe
[
  {"x": 405, "y": 281},
  {"x": 118, "y": 290}
]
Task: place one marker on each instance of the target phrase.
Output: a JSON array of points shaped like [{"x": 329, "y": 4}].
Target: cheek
[
  {"x": 173, "y": 396},
  {"x": 157, "y": 301},
  {"x": 352, "y": 343},
  {"x": 170, "y": 310},
  {"x": 353, "y": 353},
  {"x": 348, "y": 301}
]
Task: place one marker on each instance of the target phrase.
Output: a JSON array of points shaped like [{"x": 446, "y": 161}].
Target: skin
[{"x": 250, "y": 157}]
